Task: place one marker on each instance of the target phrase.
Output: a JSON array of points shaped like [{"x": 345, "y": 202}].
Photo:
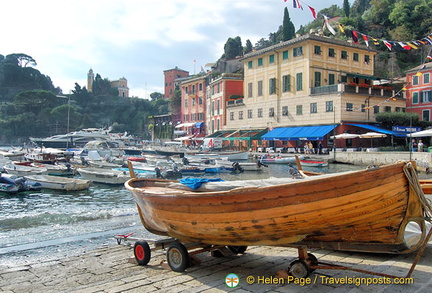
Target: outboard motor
[
  {"x": 237, "y": 167},
  {"x": 158, "y": 173},
  {"x": 185, "y": 161}
]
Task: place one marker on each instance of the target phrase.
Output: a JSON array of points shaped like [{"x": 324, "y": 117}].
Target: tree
[
  {"x": 156, "y": 96},
  {"x": 288, "y": 29},
  {"x": 346, "y": 8},
  {"x": 248, "y": 47}
]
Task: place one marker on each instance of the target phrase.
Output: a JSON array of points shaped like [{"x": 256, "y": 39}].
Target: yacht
[{"x": 78, "y": 139}]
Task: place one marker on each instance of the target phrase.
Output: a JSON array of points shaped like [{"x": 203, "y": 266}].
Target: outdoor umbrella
[
  {"x": 372, "y": 135},
  {"x": 427, "y": 132},
  {"x": 344, "y": 136}
]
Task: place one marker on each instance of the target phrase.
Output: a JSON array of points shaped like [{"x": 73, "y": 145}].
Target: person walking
[{"x": 420, "y": 146}]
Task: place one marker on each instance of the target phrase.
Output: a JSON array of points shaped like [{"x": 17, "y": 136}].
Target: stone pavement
[{"x": 111, "y": 269}]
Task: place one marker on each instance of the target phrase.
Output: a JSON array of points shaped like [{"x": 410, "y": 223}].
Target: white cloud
[{"x": 135, "y": 39}]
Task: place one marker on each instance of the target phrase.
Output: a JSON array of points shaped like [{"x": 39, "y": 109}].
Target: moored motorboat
[
  {"x": 21, "y": 170},
  {"x": 367, "y": 210},
  {"x": 10, "y": 183},
  {"x": 102, "y": 175},
  {"x": 267, "y": 159},
  {"x": 313, "y": 163},
  {"x": 60, "y": 183}
]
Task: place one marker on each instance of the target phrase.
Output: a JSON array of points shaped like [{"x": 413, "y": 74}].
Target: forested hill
[{"x": 30, "y": 105}]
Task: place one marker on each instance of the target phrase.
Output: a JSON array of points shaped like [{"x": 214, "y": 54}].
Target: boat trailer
[{"x": 181, "y": 256}]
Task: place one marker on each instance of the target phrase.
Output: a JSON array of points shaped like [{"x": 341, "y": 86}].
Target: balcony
[
  {"x": 363, "y": 89},
  {"x": 235, "y": 102}
]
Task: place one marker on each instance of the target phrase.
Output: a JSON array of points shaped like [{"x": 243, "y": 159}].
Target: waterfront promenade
[{"x": 112, "y": 269}]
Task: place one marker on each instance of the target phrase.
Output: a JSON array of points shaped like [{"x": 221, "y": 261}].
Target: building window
[
  {"x": 426, "y": 78},
  {"x": 387, "y": 109},
  {"x": 271, "y": 59},
  {"x": 231, "y": 115},
  {"x": 426, "y": 115},
  {"x": 240, "y": 115},
  {"x": 250, "y": 90},
  {"x": 260, "y": 62},
  {"x": 398, "y": 109},
  {"x": 272, "y": 86},
  {"x": 425, "y": 96},
  {"x": 313, "y": 108},
  {"x": 344, "y": 55},
  {"x": 212, "y": 108},
  {"x": 299, "y": 110},
  {"x": 415, "y": 97},
  {"x": 317, "y": 50},
  {"x": 260, "y": 112},
  {"x": 193, "y": 101},
  {"x": 285, "y": 111},
  {"x": 200, "y": 116},
  {"x": 366, "y": 59},
  {"x": 286, "y": 83},
  {"x": 376, "y": 109},
  {"x": 271, "y": 112},
  {"x": 250, "y": 65},
  {"x": 329, "y": 106},
  {"x": 349, "y": 106},
  {"x": 298, "y": 51},
  {"x": 332, "y": 52},
  {"x": 299, "y": 81},
  {"x": 317, "y": 79},
  {"x": 285, "y": 55},
  {"x": 218, "y": 106},
  {"x": 186, "y": 103},
  {"x": 260, "y": 88},
  {"x": 415, "y": 80},
  {"x": 193, "y": 89},
  {"x": 355, "y": 56},
  {"x": 200, "y": 87},
  {"x": 250, "y": 114},
  {"x": 186, "y": 118},
  {"x": 331, "y": 79},
  {"x": 200, "y": 100}
]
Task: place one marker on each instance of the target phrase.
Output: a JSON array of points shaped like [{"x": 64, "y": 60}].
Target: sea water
[{"x": 48, "y": 225}]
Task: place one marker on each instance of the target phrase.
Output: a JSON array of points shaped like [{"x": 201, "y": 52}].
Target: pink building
[
  {"x": 418, "y": 93},
  {"x": 170, "y": 77}
]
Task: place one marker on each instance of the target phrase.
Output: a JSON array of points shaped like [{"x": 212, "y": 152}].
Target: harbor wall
[{"x": 423, "y": 159}]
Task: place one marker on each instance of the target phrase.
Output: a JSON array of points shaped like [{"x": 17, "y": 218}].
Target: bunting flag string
[{"x": 391, "y": 45}]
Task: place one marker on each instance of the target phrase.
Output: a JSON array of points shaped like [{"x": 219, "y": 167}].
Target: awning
[
  {"x": 183, "y": 138},
  {"x": 250, "y": 134},
  {"x": 199, "y": 124},
  {"x": 377, "y": 129},
  {"x": 187, "y": 124},
  {"x": 299, "y": 133}
]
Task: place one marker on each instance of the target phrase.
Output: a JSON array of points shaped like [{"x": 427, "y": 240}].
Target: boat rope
[{"x": 414, "y": 182}]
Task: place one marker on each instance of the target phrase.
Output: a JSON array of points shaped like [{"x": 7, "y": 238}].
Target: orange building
[
  {"x": 419, "y": 89},
  {"x": 170, "y": 77}
]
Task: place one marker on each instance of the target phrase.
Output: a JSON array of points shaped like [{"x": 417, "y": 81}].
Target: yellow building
[
  {"x": 120, "y": 84},
  {"x": 310, "y": 80}
]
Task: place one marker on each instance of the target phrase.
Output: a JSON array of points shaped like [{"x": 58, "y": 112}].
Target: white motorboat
[
  {"x": 60, "y": 183},
  {"x": 56, "y": 169},
  {"x": 21, "y": 170},
  {"x": 101, "y": 175}
]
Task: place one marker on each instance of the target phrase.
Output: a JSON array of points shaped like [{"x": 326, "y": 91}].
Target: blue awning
[
  {"x": 377, "y": 129},
  {"x": 198, "y": 124},
  {"x": 299, "y": 133}
]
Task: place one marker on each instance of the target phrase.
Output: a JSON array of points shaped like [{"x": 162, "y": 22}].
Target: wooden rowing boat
[
  {"x": 313, "y": 163},
  {"x": 367, "y": 210}
]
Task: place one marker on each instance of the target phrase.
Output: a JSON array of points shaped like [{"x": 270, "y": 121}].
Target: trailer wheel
[
  {"x": 311, "y": 261},
  {"x": 142, "y": 252},
  {"x": 237, "y": 249},
  {"x": 178, "y": 257},
  {"x": 298, "y": 269}
]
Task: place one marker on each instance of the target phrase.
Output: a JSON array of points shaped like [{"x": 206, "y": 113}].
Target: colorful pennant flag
[
  {"x": 341, "y": 28},
  {"x": 405, "y": 46},
  {"x": 313, "y": 12},
  {"x": 412, "y": 45},
  {"x": 354, "y": 36},
  {"x": 388, "y": 45},
  {"x": 329, "y": 27},
  {"x": 366, "y": 40},
  {"x": 296, "y": 4}
]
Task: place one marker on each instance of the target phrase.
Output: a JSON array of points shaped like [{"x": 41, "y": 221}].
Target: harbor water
[{"x": 48, "y": 224}]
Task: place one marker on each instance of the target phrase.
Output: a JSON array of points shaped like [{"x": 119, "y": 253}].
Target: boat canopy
[{"x": 299, "y": 133}]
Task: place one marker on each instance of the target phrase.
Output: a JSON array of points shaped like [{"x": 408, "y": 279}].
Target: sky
[{"x": 137, "y": 39}]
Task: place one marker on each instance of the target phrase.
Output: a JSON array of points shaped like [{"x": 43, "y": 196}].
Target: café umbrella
[
  {"x": 372, "y": 135},
  {"x": 344, "y": 136}
]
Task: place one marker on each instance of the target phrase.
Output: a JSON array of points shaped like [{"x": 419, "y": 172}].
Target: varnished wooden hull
[{"x": 362, "y": 211}]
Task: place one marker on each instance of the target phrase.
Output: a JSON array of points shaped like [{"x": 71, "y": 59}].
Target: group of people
[
  {"x": 417, "y": 145},
  {"x": 309, "y": 148}
]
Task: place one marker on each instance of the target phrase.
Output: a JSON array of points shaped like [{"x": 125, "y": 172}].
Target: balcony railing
[
  {"x": 363, "y": 89},
  {"x": 236, "y": 102}
]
